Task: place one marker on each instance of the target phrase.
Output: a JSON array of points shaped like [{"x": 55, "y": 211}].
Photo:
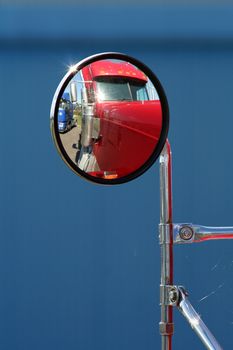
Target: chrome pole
[{"x": 166, "y": 243}]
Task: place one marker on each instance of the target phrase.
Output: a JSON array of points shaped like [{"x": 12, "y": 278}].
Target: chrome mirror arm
[
  {"x": 166, "y": 244},
  {"x": 189, "y": 233},
  {"x": 195, "y": 321},
  {"x": 169, "y": 233},
  {"x": 172, "y": 295}
]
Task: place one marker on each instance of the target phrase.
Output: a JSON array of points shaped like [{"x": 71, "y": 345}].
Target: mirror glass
[{"x": 109, "y": 119}]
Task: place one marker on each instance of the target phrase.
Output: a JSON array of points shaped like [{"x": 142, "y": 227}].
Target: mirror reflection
[{"x": 109, "y": 119}]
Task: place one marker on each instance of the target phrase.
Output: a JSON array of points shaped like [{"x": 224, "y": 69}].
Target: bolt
[
  {"x": 186, "y": 233},
  {"x": 173, "y": 295}
]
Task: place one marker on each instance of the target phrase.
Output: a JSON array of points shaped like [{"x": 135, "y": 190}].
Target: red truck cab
[{"x": 129, "y": 115}]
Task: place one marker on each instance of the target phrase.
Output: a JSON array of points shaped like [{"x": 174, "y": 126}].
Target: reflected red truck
[{"x": 129, "y": 113}]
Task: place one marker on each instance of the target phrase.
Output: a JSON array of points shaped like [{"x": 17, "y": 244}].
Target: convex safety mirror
[{"x": 109, "y": 118}]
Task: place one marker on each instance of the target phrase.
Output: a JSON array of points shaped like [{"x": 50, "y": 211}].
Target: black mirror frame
[{"x": 54, "y": 120}]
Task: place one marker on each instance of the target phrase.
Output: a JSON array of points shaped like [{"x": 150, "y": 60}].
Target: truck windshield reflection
[
  {"x": 116, "y": 89},
  {"x": 109, "y": 119}
]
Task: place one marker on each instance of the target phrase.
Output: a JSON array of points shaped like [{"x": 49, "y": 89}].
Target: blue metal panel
[
  {"x": 88, "y": 278},
  {"x": 115, "y": 22}
]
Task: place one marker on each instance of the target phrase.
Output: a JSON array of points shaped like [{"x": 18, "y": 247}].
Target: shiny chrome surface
[
  {"x": 200, "y": 233},
  {"x": 166, "y": 243},
  {"x": 73, "y": 92},
  {"x": 87, "y": 125},
  {"x": 196, "y": 322}
]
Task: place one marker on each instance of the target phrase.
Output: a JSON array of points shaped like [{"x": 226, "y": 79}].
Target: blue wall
[{"x": 79, "y": 263}]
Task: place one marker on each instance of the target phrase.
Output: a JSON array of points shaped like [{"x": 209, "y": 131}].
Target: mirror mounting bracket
[
  {"x": 189, "y": 233},
  {"x": 169, "y": 295},
  {"x": 172, "y": 295}
]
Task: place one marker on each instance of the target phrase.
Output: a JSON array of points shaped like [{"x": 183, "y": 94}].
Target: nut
[{"x": 186, "y": 232}]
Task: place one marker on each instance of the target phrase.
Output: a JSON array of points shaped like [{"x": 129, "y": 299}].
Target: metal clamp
[
  {"x": 164, "y": 233},
  {"x": 169, "y": 295},
  {"x": 166, "y": 328}
]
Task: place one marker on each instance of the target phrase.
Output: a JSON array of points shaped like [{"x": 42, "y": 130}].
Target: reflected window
[
  {"x": 118, "y": 89},
  {"x": 139, "y": 92},
  {"x": 113, "y": 89}
]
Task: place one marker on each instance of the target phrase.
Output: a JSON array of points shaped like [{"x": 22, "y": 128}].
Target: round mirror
[{"x": 109, "y": 118}]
